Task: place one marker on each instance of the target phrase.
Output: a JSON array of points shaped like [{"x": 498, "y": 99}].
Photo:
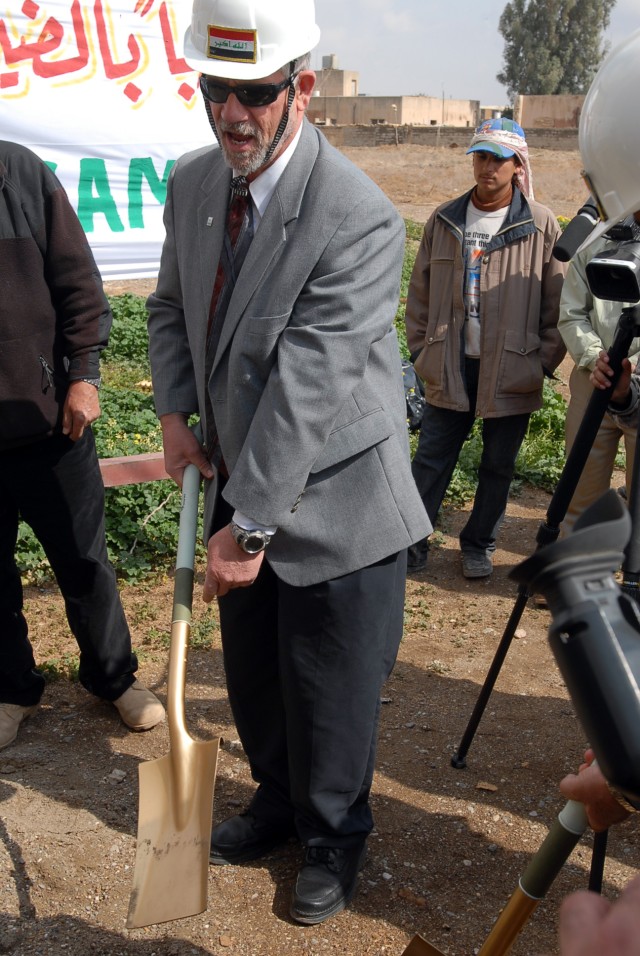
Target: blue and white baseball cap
[{"x": 497, "y": 136}]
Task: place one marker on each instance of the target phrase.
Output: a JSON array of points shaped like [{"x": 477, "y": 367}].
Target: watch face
[
  {"x": 253, "y": 543},
  {"x": 250, "y": 541}
]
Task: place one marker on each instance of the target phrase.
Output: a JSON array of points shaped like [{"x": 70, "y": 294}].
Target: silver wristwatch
[
  {"x": 96, "y": 382},
  {"x": 253, "y": 542}
]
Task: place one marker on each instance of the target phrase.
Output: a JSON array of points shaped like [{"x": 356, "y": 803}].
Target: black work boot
[
  {"x": 326, "y": 883},
  {"x": 247, "y": 837}
]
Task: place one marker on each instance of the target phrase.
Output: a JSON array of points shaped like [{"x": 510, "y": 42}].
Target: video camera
[
  {"x": 613, "y": 275},
  {"x": 595, "y": 634}
]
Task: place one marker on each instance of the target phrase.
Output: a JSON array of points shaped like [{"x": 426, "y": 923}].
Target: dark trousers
[
  {"x": 304, "y": 668},
  {"x": 55, "y": 486},
  {"x": 442, "y": 434}
]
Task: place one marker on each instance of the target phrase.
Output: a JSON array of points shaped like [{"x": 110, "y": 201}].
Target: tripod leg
[
  {"x": 549, "y": 530},
  {"x": 631, "y": 564},
  {"x": 598, "y": 857},
  {"x": 458, "y": 760}
]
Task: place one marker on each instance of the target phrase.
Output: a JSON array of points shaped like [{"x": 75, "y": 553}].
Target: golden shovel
[
  {"x": 176, "y": 791},
  {"x": 532, "y": 887}
]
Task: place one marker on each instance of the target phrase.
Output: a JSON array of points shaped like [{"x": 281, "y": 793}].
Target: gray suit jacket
[{"x": 306, "y": 386}]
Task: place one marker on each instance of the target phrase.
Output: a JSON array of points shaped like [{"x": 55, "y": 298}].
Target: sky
[{"x": 434, "y": 47}]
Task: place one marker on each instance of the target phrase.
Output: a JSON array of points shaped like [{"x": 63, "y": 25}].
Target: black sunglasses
[{"x": 259, "y": 94}]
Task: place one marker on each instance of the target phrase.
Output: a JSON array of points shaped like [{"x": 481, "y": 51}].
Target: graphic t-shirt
[{"x": 480, "y": 228}]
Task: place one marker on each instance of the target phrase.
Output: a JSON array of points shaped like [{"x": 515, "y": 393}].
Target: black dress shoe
[
  {"x": 326, "y": 882},
  {"x": 417, "y": 556},
  {"x": 247, "y": 837}
]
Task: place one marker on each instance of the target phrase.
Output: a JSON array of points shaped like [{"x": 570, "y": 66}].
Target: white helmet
[
  {"x": 249, "y": 39},
  {"x": 609, "y": 135}
]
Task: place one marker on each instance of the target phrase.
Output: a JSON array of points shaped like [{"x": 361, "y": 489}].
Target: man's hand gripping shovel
[{"x": 176, "y": 791}]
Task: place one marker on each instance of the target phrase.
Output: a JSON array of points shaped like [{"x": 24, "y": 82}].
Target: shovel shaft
[
  {"x": 534, "y": 883},
  {"x": 561, "y": 839},
  {"x": 537, "y": 878},
  {"x": 183, "y": 595},
  {"x": 188, "y": 520},
  {"x": 181, "y": 753},
  {"x": 182, "y": 605},
  {"x": 180, "y": 633},
  {"x": 508, "y": 925}
]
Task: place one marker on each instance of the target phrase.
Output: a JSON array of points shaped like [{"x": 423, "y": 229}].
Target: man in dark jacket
[{"x": 54, "y": 322}]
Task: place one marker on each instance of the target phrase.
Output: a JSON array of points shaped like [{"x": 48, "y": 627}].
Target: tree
[{"x": 552, "y": 46}]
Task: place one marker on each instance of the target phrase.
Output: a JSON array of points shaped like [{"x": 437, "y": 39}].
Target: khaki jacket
[
  {"x": 588, "y": 324},
  {"x": 520, "y": 286}
]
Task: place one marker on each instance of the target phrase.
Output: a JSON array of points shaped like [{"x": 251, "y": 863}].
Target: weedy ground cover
[{"x": 142, "y": 520}]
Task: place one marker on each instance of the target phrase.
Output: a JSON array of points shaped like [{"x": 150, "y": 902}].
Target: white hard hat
[
  {"x": 249, "y": 39},
  {"x": 609, "y": 135}
]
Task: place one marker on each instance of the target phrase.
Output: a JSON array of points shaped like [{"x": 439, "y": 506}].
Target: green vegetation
[
  {"x": 63, "y": 668},
  {"x": 142, "y": 520}
]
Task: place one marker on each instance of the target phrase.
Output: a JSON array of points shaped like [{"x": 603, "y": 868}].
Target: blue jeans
[
  {"x": 55, "y": 486},
  {"x": 442, "y": 434}
]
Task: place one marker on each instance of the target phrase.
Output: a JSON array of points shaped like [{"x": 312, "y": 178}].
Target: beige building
[
  {"x": 337, "y": 102},
  {"x": 561, "y": 111},
  {"x": 491, "y": 112},
  {"x": 330, "y": 81},
  {"x": 393, "y": 110}
]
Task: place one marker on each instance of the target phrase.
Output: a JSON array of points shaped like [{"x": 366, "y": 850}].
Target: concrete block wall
[{"x": 345, "y": 136}]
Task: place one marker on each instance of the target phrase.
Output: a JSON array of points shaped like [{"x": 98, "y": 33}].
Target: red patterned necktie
[{"x": 228, "y": 263}]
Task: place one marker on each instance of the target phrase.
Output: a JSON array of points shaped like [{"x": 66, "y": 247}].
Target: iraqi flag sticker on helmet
[{"x": 239, "y": 46}]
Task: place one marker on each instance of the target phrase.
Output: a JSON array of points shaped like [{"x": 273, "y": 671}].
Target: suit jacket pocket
[
  {"x": 353, "y": 438},
  {"x": 520, "y": 366},
  {"x": 266, "y": 324},
  {"x": 258, "y": 337}
]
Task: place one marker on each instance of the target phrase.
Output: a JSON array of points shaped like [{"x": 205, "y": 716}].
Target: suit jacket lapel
[{"x": 212, "y": 214}]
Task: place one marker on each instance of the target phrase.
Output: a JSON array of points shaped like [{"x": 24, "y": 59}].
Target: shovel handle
[
  {"x": 182, "y": 604},
  {"x": 561, "y": 839},
  {"x": 183, "y": 584}
]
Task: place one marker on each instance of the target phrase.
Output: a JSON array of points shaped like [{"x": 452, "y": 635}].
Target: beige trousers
[{"x": 598, "y": 470}]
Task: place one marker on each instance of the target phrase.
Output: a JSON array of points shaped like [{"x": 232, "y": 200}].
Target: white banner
[{"x": 99, "y": 90}]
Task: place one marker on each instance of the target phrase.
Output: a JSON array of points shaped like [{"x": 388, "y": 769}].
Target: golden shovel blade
[
  {"x": 420, "y": 947},
  {"x": 174, "y": 833},
  {"x": 175, "y": 809}
]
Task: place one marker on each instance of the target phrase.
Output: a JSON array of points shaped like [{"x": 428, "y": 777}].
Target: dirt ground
[{"x": 449, "y": 845}]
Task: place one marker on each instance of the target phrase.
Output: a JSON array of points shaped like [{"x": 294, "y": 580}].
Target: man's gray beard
[
  {"x": 251, "y": 162},
  {"x": 255, "y": 160}
]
